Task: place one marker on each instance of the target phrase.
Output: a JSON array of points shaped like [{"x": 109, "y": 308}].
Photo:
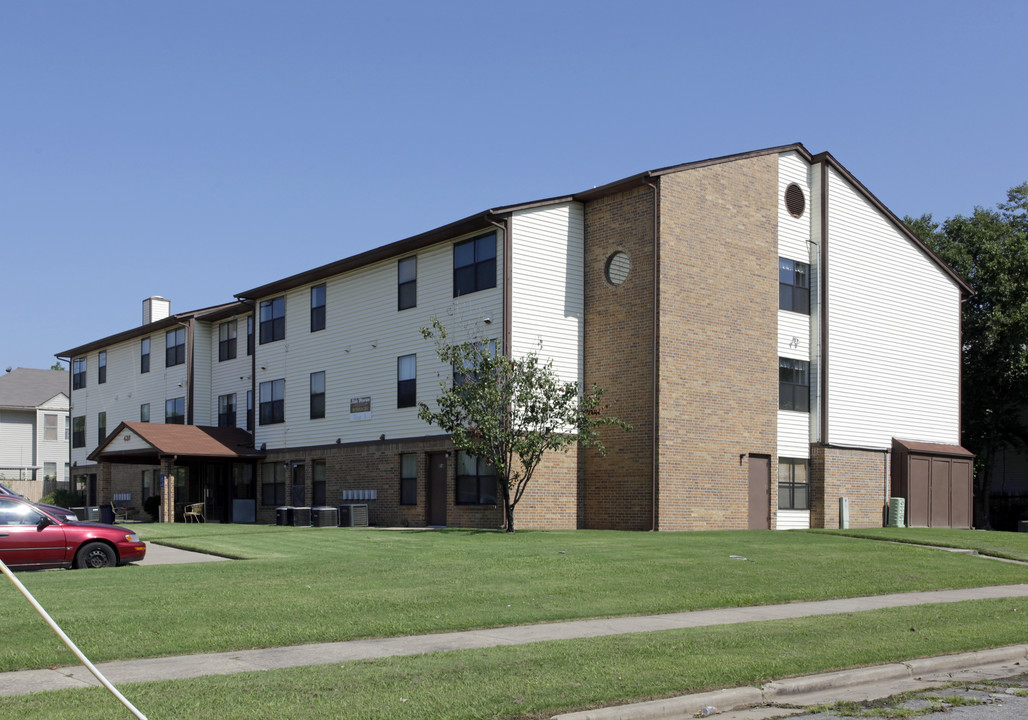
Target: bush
[
  {"x": 152, "y": 505},
  {"x": 62, "y": 498}
]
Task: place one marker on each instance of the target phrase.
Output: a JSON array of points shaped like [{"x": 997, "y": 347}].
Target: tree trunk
[{"x": 508, "y": 510}]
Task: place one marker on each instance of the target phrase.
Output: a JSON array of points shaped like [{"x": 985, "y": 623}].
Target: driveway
[{"x": 164, "y": 555}]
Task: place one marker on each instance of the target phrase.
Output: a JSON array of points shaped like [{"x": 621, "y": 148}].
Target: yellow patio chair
[{"x": 194, "y": 512}]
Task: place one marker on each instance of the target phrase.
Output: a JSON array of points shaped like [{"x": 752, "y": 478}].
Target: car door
[{"x": 23, "y": 543}]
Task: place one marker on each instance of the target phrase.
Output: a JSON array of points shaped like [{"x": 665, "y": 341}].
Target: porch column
[
  {"x": 167, "y": 490},
  {"x": 104, "y": 492}
]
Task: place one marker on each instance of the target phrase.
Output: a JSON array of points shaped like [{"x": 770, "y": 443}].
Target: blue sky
[{"x": 197, "y": 149}]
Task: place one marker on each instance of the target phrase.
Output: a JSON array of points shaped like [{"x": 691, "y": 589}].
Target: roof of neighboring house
[
  {"x": 180, "y": 440},
  {"x": 28, "y": 388}
]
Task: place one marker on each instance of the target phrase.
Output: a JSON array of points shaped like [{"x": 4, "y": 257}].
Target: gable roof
[
  {"x": 157, "y": 439},
  {"x": 215, "y": 312},
  {"x": 488, "y": 220},
  {"x": 29, "y": 388}
]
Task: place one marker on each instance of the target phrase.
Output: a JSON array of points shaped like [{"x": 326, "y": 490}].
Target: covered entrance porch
[{"x": 208, "y": 465}]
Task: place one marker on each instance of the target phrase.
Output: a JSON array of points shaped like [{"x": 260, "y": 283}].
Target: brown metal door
[
  {"x": 917, "y": 491},
  {"x": 960, "y": 502},
  {"x": 940, "y": 493},
  {"x": 436, "y": 500},
  {"x": 760, "y": 492}
]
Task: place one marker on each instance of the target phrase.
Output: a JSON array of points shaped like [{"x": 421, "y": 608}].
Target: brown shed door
[
  {"x": 760, "y": 492},
  {"x": 940, "y": 493},
  {"x": 960, "y": 482},
  {"x": 917, "y": 491},
  {"x": 436, "y": 505}
]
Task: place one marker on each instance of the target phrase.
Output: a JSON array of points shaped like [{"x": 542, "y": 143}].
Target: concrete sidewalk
[{"x": 225, "y": 663}]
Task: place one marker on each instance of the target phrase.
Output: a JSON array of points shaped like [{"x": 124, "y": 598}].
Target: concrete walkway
[{"x": 225, "y": 663}]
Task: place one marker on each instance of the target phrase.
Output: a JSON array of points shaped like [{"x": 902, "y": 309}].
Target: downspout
[
  {"x": 508, "y": 275},
  {"x": 824, "y": 302},
  {"x": 655, "y": 405},
  {"x": 508, "y": 299},
  {"x": 253, "y": 375},
  {"x": 71, "y": 485},
  {"x": 190, "y": 367}
]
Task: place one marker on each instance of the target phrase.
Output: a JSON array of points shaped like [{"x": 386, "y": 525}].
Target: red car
[{"x": 33, "y": 539}]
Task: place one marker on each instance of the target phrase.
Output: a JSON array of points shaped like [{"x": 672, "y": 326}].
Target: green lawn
[
  {"x": 302, "y": 585},
  {"x": 542, "y": 679},
  {"x": 1010, "y": 545}
]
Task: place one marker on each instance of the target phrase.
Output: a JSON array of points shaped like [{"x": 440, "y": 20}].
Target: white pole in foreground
[{"x": 67, "y": 641}]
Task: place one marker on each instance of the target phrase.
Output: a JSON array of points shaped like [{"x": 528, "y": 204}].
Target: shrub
[
  {"x": 62, "y": 498},
  {"x": 152, "y": 505}
]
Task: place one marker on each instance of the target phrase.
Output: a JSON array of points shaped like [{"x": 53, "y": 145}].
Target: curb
[{"x": 931, "y": 670}]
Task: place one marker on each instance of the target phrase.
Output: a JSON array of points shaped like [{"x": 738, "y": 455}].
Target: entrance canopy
[{"x": 145, "y": 443}]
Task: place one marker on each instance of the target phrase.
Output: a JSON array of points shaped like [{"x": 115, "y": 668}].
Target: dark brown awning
[{"x": 139, "y": 442}]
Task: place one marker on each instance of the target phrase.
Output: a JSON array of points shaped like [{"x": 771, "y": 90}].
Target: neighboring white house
[{"x": 34, "y": 429}]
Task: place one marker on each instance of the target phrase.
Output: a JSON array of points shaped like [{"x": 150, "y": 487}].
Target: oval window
[{"x": 618, "y": 266}]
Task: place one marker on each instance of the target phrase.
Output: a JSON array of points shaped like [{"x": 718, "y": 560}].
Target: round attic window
[
  {"x": 617, "y": 268},
  {"x": 794, "y": 200}
]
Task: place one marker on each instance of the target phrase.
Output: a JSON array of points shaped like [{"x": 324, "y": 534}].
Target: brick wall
[
  {"x": 615, "y": 491},
  {"x": 861, "y": 475},
  {"x": 551, "y": 499},
  {"x": 718, "y": 340}
]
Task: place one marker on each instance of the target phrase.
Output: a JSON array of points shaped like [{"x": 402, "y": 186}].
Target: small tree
[{"x": 509, "y": 411}]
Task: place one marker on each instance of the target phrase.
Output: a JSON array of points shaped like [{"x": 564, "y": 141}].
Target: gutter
[{"x": 654, "y": 456}]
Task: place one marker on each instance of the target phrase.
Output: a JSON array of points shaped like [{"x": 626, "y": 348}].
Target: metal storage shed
[{"x": 936, "y": 481}]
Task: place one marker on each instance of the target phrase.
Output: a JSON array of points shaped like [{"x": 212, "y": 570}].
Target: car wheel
[{"x": 95, "y": 555}]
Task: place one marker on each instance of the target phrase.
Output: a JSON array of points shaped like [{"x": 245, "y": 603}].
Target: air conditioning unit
[
  {"x": 353, "y": 515},
  {"x": 325, "y": 516},
  {"x": 301, "y": 517}
]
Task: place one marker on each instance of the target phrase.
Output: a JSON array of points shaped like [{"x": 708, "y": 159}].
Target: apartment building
[{"x": 787, "y": 352}]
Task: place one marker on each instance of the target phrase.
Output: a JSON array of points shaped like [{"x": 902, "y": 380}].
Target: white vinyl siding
[
  {"x": 793, "y": 233},
  {"x": 793, "y": 335},
  {"x": 16, "y": 448},
  {"x": 126, "y": 389},
  {"x": 228, "y": 377},
  {"x": 793, "y": 434},
  {"x": 893, "y": 331},
  {"x": 793, "y": 520},
  {"x": 548, "y": 286},
  {"x": 203, "y": 403},
  {"x": 794, "y": 329},
  {"x": 127, "y": 441},
  {"x": 54, "y": 451},
  {"x": 357, "y": 350}
]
